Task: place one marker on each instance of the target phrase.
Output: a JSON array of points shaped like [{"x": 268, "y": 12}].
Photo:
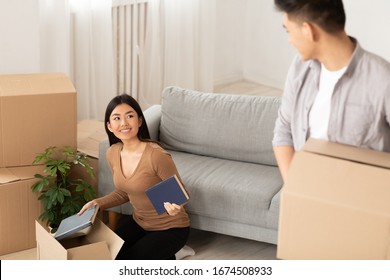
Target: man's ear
[{"x": 310, "y": 31}]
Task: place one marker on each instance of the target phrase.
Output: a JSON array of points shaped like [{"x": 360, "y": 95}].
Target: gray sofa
[{"x": 221, "y": 144}]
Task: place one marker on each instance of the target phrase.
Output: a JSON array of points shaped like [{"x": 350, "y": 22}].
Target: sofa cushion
[
  {"x": 229, "y": 190},
  {"x": 226, "y": 126}
]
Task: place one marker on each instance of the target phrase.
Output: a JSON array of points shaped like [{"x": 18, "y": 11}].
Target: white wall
[
  {"x": 19, "y": 39},
  {"x": 34, "y": 37},
  {"x": 263, "y": 47},
  {"x": 369, "y": 22},
  {"x": 267, "y": 52},
  {"x": 250, "y": 41},
  {"x": 55, "y": 37},
  {"x": 229, "y": 44}
]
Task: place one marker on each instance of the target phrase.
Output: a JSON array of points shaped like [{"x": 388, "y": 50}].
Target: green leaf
[
  {"x": 44, "y": 216},
  {"x": 39, "y": 176},
  {"x": 46, "y": 202},
  {"x": 62, "y": 169},
  {"x": 81, "y": 186},
  {"x": 65, "y": 209},
  {"x": 65, "y": 192},
  {"x": 37, "y": 159},
  {"x": 89, "y": 195},
  {"x": 36, "y": 187},
  {"x": 51, "y": 170},
  {"x": 60, "y": 197},
  {"x": 68, "y": 151}
]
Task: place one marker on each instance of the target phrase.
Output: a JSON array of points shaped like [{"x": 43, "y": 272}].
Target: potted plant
[{"x": 62, "y": 195}]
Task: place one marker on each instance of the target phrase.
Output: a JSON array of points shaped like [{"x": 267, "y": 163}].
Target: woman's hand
[
  {"x": 86, "y": 206},
  {"x": 172, "y": 208}
]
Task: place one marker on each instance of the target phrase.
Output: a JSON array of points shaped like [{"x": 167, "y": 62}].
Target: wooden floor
[
  {"x": 247, "y": 88},
  {"x": 208, "y": 245},
  {"x": 213, "y": 246}
]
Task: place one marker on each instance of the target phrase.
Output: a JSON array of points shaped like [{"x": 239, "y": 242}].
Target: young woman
[{"x": 138, "y": 163}]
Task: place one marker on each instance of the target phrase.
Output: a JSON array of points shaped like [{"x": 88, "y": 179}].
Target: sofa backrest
[{"x": 228, "y": 126}]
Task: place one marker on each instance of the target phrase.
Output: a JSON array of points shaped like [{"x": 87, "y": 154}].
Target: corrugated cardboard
[
  {"x": 335, "y": 204},
  {"x": 36, "y": 111},
  {"x": 89, "y": 135},
  {"x": 19, "y": 208},
  {"x": 101, "y": 243}
]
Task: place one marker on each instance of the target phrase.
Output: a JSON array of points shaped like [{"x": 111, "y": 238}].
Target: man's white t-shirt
[{"x": 320, "y": 111}]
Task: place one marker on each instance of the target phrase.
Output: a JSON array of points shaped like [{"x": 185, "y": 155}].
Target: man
[{"x": 334, "y": 90}]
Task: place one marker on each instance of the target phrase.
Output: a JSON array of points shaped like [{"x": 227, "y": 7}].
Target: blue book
[{"x": 170, "y": 190}]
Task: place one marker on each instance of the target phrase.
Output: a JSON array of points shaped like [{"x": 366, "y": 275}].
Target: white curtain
[
  {"x": 76, "y": 38},
  {"x": 179, "y": 47},
  {"x": 55, "y": 37},
  {"x": 93, "y": 57}
]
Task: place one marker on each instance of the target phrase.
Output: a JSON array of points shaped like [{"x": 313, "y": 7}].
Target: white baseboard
[{"x": 228, "y": 79}]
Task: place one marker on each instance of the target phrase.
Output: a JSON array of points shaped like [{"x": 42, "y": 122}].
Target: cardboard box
[
  {"x": 19, "y": 208},
  {"x": 36, "y": 111},
  {"x": 89, "y": 135},
  {"x": 335, "y": 204},
  {"x": 101, "y": 243}
]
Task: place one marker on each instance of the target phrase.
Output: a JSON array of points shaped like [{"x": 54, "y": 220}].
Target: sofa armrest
[{"x": 152, "y": 117}]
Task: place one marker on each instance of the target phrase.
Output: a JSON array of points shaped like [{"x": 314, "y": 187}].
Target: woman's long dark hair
[{"x": 143, "y": 132}]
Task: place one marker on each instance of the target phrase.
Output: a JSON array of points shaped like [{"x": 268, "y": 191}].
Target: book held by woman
[{"x": 170, "y": 190}]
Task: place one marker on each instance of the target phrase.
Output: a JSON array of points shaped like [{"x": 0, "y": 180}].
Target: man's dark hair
[{"x": 327, "y": 14}]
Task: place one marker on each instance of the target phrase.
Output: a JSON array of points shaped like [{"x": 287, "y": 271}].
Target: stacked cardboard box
[
  {"x": 36, "y": 111},
  {"x": 335, "y": 204},
  {"x": 19, "y": 208},
  {"x": 89, "y": 134}
]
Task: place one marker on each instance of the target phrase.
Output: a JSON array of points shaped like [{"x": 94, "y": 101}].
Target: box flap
[
  {"x": 102, "y": 232},
  {"x": 12, "y": 174},
  {"x": 27, "y": 172},
  {"x": 95, "y": 251},
  {"x": 6, "y": 176},
  {"x": 39, "y": 83},
  {"x": 89, "y": 147},
  {"x": 348, "y": 152},
  {"x": 47, "y": 247},
  {"x": 89, "y": 135}
]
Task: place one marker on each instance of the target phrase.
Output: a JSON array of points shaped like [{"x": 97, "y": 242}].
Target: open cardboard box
[
  {"x": 36, "y": 111},
  {"x": 19, "y": 208},
  {"x": 101, "y": 243},
  {"x": 335, "y": 204}
]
